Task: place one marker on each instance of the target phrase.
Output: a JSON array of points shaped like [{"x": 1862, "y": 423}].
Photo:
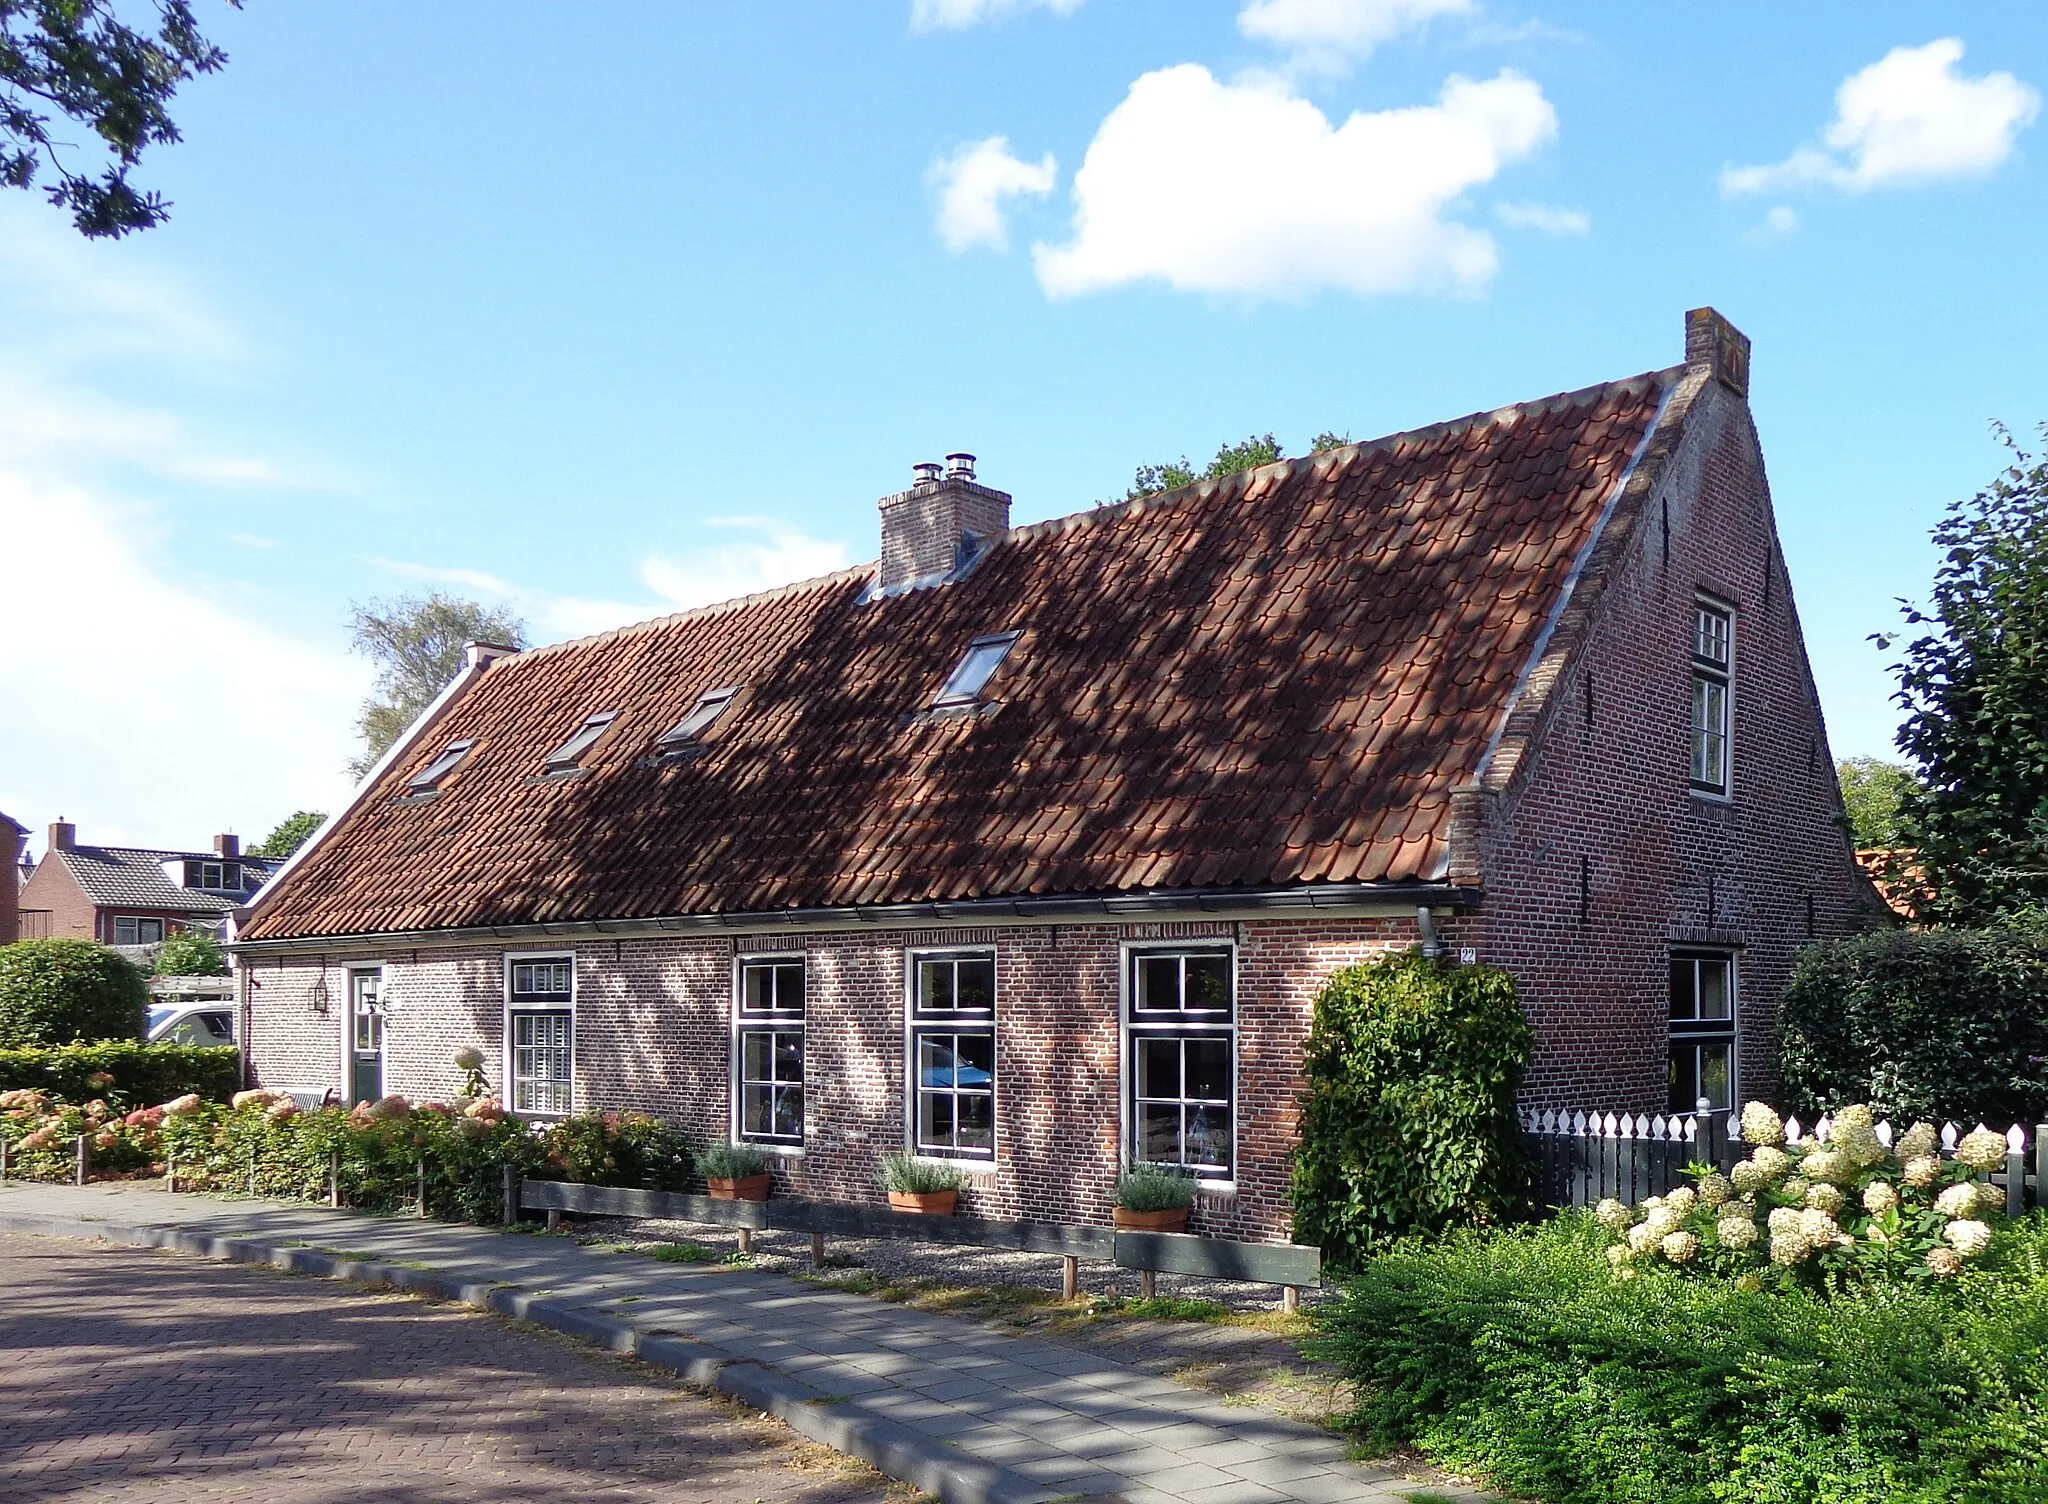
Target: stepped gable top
[
  {"x": 133, "y": 877},
  {"x": 1273, "y": 679}
]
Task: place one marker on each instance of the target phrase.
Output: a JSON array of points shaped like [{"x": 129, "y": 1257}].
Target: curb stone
[{"x": 893, "y": 1449}]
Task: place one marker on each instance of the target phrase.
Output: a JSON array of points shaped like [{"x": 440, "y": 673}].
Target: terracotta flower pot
[
  {"x": 930, "y": 1203},
  {"x": 1173, "y": 1219},
  {"x": 744, "y": 1188}
]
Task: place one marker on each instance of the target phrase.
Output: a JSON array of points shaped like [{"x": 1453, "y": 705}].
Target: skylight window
[
  {"x": 976, "y": 667},
  {"x": 691, "y": 728},
  {"x": 569, "y": 755},
  {"x": 432, "y": 775}
]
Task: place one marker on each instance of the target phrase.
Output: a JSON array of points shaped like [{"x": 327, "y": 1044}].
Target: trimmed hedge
[
  {"x": 1519, "y": 1355},
  {"x": 65, "y": 991},
  {"x": 1920, "y": 1024},
  {"x": 124, "y": 1070},
  {"x": 1408, "y": 1125}
]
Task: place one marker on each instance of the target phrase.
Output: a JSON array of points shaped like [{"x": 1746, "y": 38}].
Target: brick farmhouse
[{"x": 1028, "y": 848}]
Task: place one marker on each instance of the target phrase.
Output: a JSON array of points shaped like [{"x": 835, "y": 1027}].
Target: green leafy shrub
[
  {"x": 65, "y": 991},
  {"x": 730, "y": 1161},
  {"x": 1517, "y": 1354},
  {"x": 191, "y": 953},
  {"x": 1154, "y": 1188},
  {"x": 618, "y": 1148},
  {"x": 124, "y": 1071},
  {"x": 1920, "y": 1024},
  {"x": 905, "y": 1172},
  {"x": 1850, "y": 1211},
  {"x": 1408, "y": 1123}
]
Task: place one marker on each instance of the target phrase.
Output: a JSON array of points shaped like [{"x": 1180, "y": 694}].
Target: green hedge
[
  {"x": 1519, "y": 1355},
  {"x": 127, "y": 1071},
  {"x": 1920, "y": 1024},
  {"x": 64, "y": 991},
  {"x": 1408, "y": 1125}
]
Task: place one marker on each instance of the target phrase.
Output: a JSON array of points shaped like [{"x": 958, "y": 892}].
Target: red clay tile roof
[{"x": 1269, "y": 680}]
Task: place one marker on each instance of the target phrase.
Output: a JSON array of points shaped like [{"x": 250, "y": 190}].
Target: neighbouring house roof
[
  {"x": 1273, "y": 679},
  {"x": 1896, "y": 874},
  {"x": 14, "y": 825},
  {"x": 133, "y": 877}
]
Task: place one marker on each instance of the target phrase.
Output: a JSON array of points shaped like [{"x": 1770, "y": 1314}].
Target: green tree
[
  {"x": 191, "y": 953},
  {"x": 78, "y": 59},
  {"x": 416, "y": 643},
  {"x": 1874, "y": 791},
  {"x": 1974, "y": 686},
  {"x": 67, "y": 991},
  {"x": 1326, "y": 441},
  {"x": 1253, "y": 452},
  {"x": 292, "y": 832}
]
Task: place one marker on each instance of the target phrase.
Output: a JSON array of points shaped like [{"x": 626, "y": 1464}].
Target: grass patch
[{"x": 680, "y": 1253}]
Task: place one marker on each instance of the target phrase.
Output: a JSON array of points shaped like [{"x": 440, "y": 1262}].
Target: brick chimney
[
  {"x": 940, "y": 524},
  {"x": 63, "y": 835},
  {"x": 227, "y": 846},
  {"x": 1713, "y": 342}
]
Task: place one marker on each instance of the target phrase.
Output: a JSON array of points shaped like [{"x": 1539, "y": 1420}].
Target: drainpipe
[{"x": 1426, "y": 922}]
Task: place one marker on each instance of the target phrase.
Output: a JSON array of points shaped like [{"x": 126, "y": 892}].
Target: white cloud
[
  {"x": 171, "y": 712},
  {"x": 1326, "y": 34},
  {"x": 1248, "y": 188},
  {"x": 1546, "y": 219},
  {"x": 973, "y": 183},
  {"x": 954, "y": 15},
  {"x": 1908, "y": 118}
]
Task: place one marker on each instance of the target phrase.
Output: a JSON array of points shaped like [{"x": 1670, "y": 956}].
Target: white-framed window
[
  {"x": 953, "y": 1053},
  {"x": 218, "y": 877},
  {"x": 1703, "y": 1030},
  {"x": 129, "y": 930},
  {"x": 1713, "y": 685},
  {"x": 976, "y": 667},
  {"x": 1180, "y": 1058},
  {"x": 540, "y": 1033},
  {"x": 768, "y": 1050}
]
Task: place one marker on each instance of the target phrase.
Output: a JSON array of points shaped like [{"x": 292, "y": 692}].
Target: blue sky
[{"x": 610, "y": 321}]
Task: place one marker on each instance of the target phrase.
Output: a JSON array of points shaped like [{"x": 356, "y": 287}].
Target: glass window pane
[
  {"x": 977, "y": 1116},
  {"x": 1208, "y": 983},
  {"x": 935, "y": 986},
  {"x": 1159, "y": 1132},
  {"x": 935, "y": 1060},
  {"x": 789, "y": 1057},
  {"x": 1713, "y": 989},
  {"x": 1684, "y": 1078},
  {"x": 789, "y": 1111},
  {"x": 789, "y": 986},
  {"x": 1715, "y": 1075},
  {"x": 1208, "y": 1136},
  {"x": 1158, "y": 983},
  {"x": 975, "y": 984},
  {"x": 756, "y": 1110},
  {"x": 757, "y": 988},
  {"x": 1683, "y": 1003},
  {"x": 755, "y": 1050},
  {"x": 1159, "y": 1068},
  {"x": 1208, "y": 1070},
  {"x": 935, "y": 1119},
  {"x": 976, "y": 1059}
]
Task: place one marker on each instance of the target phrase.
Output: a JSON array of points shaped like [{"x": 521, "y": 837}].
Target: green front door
[{"x": 366, "y": 1037}]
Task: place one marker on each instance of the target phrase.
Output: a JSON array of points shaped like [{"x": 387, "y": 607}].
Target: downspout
[{"x": 1425, "y": 921}]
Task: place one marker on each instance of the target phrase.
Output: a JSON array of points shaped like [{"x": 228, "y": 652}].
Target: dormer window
[
  {"x": 691, "y": 728},
  {"x": 436, "y": 772},
  {"x": 569, "y": 756},
  {"x": 977, "y": 666},
  {"x": 214, "y": 877}
]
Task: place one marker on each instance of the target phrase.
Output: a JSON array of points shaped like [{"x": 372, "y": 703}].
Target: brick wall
[
  {"x": 1608, "y": 787},
  {"x": 52, "y": 887},
  {"x": 653, "y": 1032},
  {"x": 11, "y": 838}
]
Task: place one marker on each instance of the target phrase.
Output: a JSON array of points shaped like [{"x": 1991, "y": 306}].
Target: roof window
[
  {"x": 977, "y": 666},
  {"x": 569, "y": 755},
  {"x": 691, "y": 728},
  {"x": 431, "y": 776}
]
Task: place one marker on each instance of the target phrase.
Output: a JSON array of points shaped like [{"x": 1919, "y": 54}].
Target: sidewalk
[{"x": 967, "y": 1414}]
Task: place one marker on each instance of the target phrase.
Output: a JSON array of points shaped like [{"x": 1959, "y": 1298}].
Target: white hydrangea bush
[{"x": 1848, "y": 1209}]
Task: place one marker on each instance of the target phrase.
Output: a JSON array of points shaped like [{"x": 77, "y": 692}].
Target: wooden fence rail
[{"x": 1584, "y": 1157}]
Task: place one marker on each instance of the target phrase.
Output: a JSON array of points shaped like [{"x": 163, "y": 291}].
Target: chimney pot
[
  {"x": 63, "y": 835},
  {"x": 959, "y": 467},
  {"x": 1711, "y": 341},
  {"x": 925, "y": 473},
  {"x": 228, "y": 846}
]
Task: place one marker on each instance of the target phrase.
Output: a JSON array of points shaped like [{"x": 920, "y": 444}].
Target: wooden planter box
[
  {"x": 1173, "y": 1219},
  {"x": 929, "y": 1203},
  {"x": 745, "y": 1188}
]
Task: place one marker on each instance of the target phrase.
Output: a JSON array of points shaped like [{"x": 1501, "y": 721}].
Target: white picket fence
[{"x": 1584, "y": 1157}]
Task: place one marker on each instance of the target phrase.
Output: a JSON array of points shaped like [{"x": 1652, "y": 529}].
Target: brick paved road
[{"x": 150, "y": 1377}]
